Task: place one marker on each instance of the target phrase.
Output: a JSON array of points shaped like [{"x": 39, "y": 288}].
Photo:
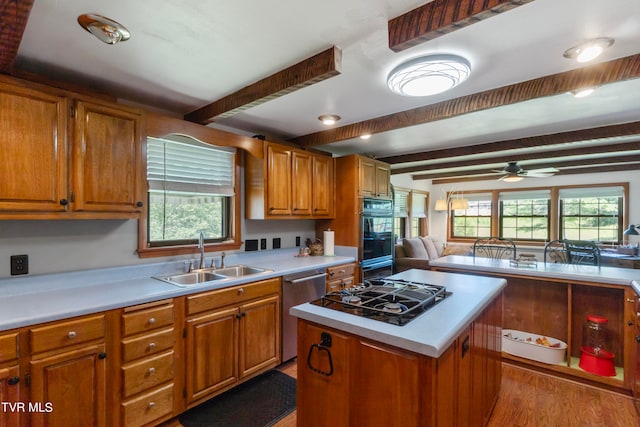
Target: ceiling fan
[{"x": 513, "y": 172}]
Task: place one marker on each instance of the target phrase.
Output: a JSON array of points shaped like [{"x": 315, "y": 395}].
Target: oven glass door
[{"x": 377, "y": 239}]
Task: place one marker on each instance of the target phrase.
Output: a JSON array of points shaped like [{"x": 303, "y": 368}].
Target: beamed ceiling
[{"x": 272, "y": 69}]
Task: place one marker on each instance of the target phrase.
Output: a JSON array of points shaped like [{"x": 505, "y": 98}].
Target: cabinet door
[
  {"x": 366, "y": 177},
  {"x": 323, "y": 189},
  {"x": 10, "y": 393},
  {"x": 106, "y": 159},
  {"x": 301, "y": 185},
  {"x": 325, "y": 400},
  {"x": 383, "y": 180},
  {"x": 33, "y": 163},
  {"x": 70, "y": 388},
  {"x": 211, "y": 352},
  {"x": 259, "y": 335},
  {"x": 278, "y": 181}
]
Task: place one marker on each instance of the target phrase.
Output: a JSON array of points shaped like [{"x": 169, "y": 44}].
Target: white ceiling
[{"x": 185, "y": 54}]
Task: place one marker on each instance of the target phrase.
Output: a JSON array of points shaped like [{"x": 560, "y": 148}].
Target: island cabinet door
[{"x": 323, "y": 377}]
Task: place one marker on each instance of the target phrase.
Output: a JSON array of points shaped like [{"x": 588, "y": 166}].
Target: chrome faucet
[{"x": 201, "y": 247}]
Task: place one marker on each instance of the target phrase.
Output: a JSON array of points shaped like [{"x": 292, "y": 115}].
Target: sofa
[{"x": 417, "y": 251}]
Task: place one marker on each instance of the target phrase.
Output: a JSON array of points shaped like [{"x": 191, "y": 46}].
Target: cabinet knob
[
  {"x": 72, "y": 334},
  {"x": 13, "y": 380},
  {"x": 240, "y": 291},
  {"x": 638, "y": 338},
  {"x": 64, "y": 202},
  {"x": 152, "y": 404},
  {"x": 139, "y": 204},
  {"x": 152, "y": 320},
  {"x": 152, "y": 345},
  {"x": 152, "y": 371},
  {"x": 631, "y": 300}
]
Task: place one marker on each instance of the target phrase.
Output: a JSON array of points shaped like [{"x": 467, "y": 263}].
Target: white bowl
[{"x": 523, "y": 344}]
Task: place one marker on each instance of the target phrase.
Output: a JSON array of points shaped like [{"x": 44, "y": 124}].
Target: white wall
[
  {"x": 57, "y": 246},
  {"x": 438, "y": 219}
]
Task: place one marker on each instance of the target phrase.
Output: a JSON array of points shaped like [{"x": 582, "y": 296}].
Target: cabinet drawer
[
  {"x": 148, "y": 344},
  {"x": 67, "y": 333},
  {"x": 147, "y": 320},
  {"x": 340, "y": 271},
  {"x": 8, "y": 347},
  {"x": 147, "y": 373},
  {"x": 148, "y": 407},
  {"x": 233, "y": 295}
]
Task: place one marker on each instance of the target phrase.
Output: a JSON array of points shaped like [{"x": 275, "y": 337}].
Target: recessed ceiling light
[
  {"x": 329, "y": 119},
  {"x": 588, "y": 50},
  {"x": 582, "y": 93},
  {"x": 428, "y": 75},
  {"x": 365, "y": 136},
  {"x": 105, "y": 29}
]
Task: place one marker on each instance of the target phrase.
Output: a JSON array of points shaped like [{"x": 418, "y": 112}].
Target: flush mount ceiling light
[
  {"x": 365, "y": 136},
  {"x": 588, "y": 50},
  {"x": 329, "y": 119},
  {"x": 105, "y": 29},
  {"x": 428, "y": 75}
]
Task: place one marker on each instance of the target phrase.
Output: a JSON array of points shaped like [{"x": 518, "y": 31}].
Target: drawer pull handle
[
  {"x": 152, "y": 371},
  {"x": 152, "y": 345},
  {"x": 152, "y": 320},
  {"x": 631, "y": 300},
  {"x": 72, "y": 334},
  {"x": 152, "y": 404}
]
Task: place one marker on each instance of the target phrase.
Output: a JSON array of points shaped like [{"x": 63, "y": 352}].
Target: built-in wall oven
[{"x": 377, "y": 238}]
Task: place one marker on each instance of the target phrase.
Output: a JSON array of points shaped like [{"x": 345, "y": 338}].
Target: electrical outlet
[
  {"x": 297, "y": 241},
  {"x": 19, "y": 264},
  {"x": 263, "y": 244}
]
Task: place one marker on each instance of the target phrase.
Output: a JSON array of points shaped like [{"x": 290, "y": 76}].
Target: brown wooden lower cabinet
[
  {"x": 232, "y": 334},
  {"x": 357, "y": 381}
]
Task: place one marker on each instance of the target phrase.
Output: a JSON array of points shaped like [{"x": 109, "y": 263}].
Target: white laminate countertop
[
  {"x": 28, "y": 300},
  {"x": 585, "y": 273},
  {"x": 432, "y": 332}
]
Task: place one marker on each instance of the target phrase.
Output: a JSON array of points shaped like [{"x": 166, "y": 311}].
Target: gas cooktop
[{"x": 388, "y": 300}]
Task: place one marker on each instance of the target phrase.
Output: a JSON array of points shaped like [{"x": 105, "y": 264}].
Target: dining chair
[
  {"x": 555, "y": 252},
  {"x": 582, "y": 252},
  {"x": 494, "y": 247}
]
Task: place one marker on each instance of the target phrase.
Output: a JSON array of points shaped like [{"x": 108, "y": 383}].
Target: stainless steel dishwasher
[{"x": 297, "y": 289}]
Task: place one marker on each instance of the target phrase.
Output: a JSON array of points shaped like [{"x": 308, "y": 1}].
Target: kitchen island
[
  {"x": 554, "y": 300},
  {"x": 442, "y": 368}
]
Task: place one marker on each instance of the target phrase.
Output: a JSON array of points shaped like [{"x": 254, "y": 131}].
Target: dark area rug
[{"x": 259, "y": 402}]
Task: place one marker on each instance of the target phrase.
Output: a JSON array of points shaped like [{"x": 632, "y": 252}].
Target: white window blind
[
  {"x": 400, "y": 203},
  {"x": 190, "y": 167},
  {"x": 418, "y": 205},
  {"x": 576, "y": 193},
  {"x": 525, "y": 195}
]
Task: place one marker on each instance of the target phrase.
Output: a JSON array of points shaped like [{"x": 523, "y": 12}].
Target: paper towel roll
[{"x": 329, "y": 243}]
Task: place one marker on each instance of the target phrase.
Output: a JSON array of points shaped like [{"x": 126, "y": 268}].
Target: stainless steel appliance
[
  {"x": 377, "y": 238},
  {"x": 297, "y": 289},
  {"x": 392, "y": 301}
]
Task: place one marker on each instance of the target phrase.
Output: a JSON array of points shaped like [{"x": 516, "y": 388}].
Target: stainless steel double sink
[{"x": 206, "y": 275}]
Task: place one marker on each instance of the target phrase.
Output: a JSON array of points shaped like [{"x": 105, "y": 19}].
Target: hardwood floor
[{"x": 532, "y": 399}]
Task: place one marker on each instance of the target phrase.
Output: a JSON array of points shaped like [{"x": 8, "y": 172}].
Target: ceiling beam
[
  {"x": 13, "y": 20},
  {"x": 305, "y": 73},
  {"x": 504, "y": 158},
  {"x": 626, "y": 129},
  {"x": 594, "y": 169},
  {"x": 593, "y": 75},
  {"x": 593, "y": 162},
  {"x": 440, "y": 17}
]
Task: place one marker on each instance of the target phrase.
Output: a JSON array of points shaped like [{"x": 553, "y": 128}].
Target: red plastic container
[{"x": 600, "y": 363}]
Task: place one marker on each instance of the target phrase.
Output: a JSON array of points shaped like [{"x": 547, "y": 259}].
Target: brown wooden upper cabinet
[
  {"x": 289, "y": 184},
  {"x": 64, "y": 156},
  {"x": 374, "y": 178}
]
